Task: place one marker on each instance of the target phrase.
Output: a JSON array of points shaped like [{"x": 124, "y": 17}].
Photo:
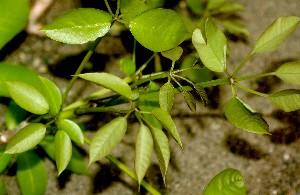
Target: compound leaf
[
  {"x": 228, "y": 182},
  {"x": 190, "y": 100},
  {"x": 79, "y": 26},
  {"x": 52, "y": 95},
  {"x": 107, "y": 138},
  {"x": 287, "y": 100},
  {"x": 109, "y": 81},
  {"x": 211, "y": 46},
  {"x": 63, "y": 150},
  {"x": 276, "y": 34},
  {"x": 31, "y": 173},
  {"x": 10, "y": 72},
  {"x": 158, "y": 29},
  {"x": 167, "y": 121},
  {"x": 289, "y": 72},
  {"x": 27, "y": 138},
  {"x": 12, "y": 22},
  {"x": 166, "y": 97},
  {"x": 27, "y": 97},
  {"x": 72, "y": 129},
  {"x": 243, "y": 117},
  {"x": 143, "y": 151}
]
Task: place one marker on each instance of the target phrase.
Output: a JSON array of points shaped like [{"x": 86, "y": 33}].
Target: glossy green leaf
[
  {"x": 243, "y": 117},
  {"x": 235, "y": 28},
  {"x": 289, "y": 72},
  {"x": 143, "y": 151},
  {"x": 127, "y": 66},
  {"x": 287, "y": 100},
  {"x": 168, "y": 123},
  {"x": 27, "y": 138},
  {"x": 276, "y": 34},
  {"x": 14, "y": 115},
  {"x": 10, "y": 72},
  {"x": 197, "y": 6},
  {"x": 79, "y": 26},
  {"x": 166, "y": 97},
  {"x": 214, "y": 4},
  {"x": 162, "y": 150},
  {"x": 63, "y": 150},
  {"x": 173, "y": 54},
  {"x": 27, "y": 97},
  {"x": 76, "y": 164},
  {"x": 132, "y": 8},
  {"x": 52, "y": 95},
  {"x": 72, "y": 129},
  {"x": 107, "y": 138},
  {"x": 211, "y": 46},
  {"x": 158, "y": 29},
  {"x": 190, "y": 100},
  {"x": 228, "y": 182},
  {"x": 4, "y": 160},
  {"x": 12, "y": 22},
  {"x": 31, "y": 173},
  {"x": 109, "y": 81}
]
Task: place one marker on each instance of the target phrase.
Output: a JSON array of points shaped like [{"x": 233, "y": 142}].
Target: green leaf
[
  {"x": 235, "y": 28},
  {"x": 243, "y": 117},
  {"x": 287, "y": 100},
  {"x": 214, "y": 4},
  {"x": 2, "y": 187},
  {"x": 107, "y": 138},
  {"x": 27, "y": 97},
  {"x": 63, "y": 150},
  {"x": 31, "y": 173},
  {"x": 72, "y": 129},
  {"x": 276, "y": 34},
  {"x": 52, "y": 95},
  {"x": 109, "y": 81},
  {"x": 228, "y": 182},
  {"x": 4, "y": 160},
  {"x": 132, "y": 8},
  {"x": 27, "y": 138},
  {"x": 289, "y": 72},
  {"x": 212, "y": 51},
  {"x": 190, "y": 100},
  {"x": 143, "y": 151},
  {"x": 158, "y": 29},
  {"x": 79, "y": 26},
  {"x": 162, "y": 150},
  {"x": 230, "y": 7},
  {"x": 202, "y": 93},
  {"x": 197, "y": 6},
  {"x": 12, "y": 22},
  {"x": 168, "y": 123},
  {"x": 173, "y": 54},
  {"x": 127, "y": 66},
  {"x": 76, "y": 163},
  {"x": 14, "y": 115},
  {"x": 166, "y": 97},
  {"x": 9, "y": 72}
]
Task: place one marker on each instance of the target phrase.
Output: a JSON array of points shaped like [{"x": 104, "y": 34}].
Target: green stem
[
  {"x": 183, "y": 78},
  {"x": 108, "y": 8},
  {"x": 213, "y": 83},
  {"x": 256, "y": 76},
  {"x": 241, "y": 65},
  {"x": 127, "y": 170},
  {"x": 250, "y": 90},
  {"x": 150, "y": 77},
  {"x": 81, "y": 111},
  {"x": 118, "y": 8},
  {"x": 79, "y": 70}
]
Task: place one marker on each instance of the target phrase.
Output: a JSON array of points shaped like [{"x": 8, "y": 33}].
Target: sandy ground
[{"x": 270, "y": 164}]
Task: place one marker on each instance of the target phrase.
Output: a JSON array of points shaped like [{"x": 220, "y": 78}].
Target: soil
[{"x": 270, "y": 163}]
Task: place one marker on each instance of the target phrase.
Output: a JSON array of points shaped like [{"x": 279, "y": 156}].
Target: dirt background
[{"x": 270, "y": 164}]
